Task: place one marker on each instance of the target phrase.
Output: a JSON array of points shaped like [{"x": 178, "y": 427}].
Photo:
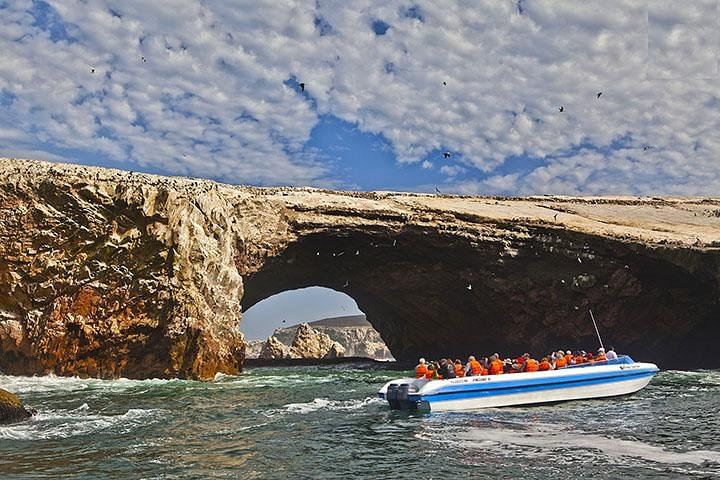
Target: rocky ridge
[
  {"x": 307, "y": 343},
  {"x": 109, "y": 273}
]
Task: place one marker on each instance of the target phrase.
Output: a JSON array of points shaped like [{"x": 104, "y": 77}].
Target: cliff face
[{"x": 109, "y": 273}]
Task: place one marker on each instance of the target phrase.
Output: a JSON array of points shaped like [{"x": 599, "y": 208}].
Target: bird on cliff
[
  {"x": 555, "y": 216},
  {"x": 579, "y": 261},
  {"x": 598, "y": 95},
  {"x": 561, "y": 109}
]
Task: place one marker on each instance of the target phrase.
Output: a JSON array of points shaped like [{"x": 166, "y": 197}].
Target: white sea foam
[
  {"x": 548, "y": 439},
  {"x": 52, "y": 383},
  {"x": 56, "y": 424},
  {"x": 324, "y": 403}
]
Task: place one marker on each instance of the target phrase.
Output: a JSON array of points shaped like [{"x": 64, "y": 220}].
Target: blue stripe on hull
[{"x": 525, "y": 386}]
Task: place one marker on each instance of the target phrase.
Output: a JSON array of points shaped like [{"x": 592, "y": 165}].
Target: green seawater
[{"x": 326, "y": 422}]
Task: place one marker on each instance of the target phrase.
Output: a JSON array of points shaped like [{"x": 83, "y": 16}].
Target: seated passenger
[
  {"x": 568, "y": 357},
  {"x": 421, "y": 369},
  {"x": 431, "y": 373},
  {"x": 611, "y": 355},
  {"x": 530, "y": 364},
  {"x": 544, "y": 365},
  {"x": 496, "y": 365},
  {"x": 459, "y": 369},
  {"x": 447, "y": 368},
  {"x": 600, "y": 357},
  {"x": 579, "y": 358},
  {"x": 473, "y": 367},
  {"x": 560, "y": 360}
]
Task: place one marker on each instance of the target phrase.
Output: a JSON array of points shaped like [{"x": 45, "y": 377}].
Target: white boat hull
[{"x": 469, "y": 393}]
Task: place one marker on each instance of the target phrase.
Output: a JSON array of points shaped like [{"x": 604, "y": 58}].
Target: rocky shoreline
[
  {"x": 107, "y": 273},
  {"x": 12, "y": 409}
]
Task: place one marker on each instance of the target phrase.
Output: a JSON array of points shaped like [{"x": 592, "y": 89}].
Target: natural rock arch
[{"x": 109, "y": 273}]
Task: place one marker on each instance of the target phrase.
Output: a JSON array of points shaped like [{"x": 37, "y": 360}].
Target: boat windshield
[{"x": 620, "y": 360}]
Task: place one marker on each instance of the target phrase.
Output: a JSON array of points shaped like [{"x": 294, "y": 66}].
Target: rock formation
[
  {"x": 11, "y": 408},
  {"x": 110, "y": 273},
  {"x": 354, "y": 333},
  {"x": 307, "y": 343}
]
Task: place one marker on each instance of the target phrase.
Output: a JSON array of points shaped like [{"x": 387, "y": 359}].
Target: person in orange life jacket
[
  {"x": 530, "y": 364},
  {"x": 544, "y": 365},
  {"x": 473, "y": 367},
  {"x": 589, "y": 358},
  {"x": 431, "y": 373},
  {"x": 459, "y": 369},
  {"x": 421, "y": 369},
  {"x": 579, "y": 358},
  {"x": 496, "y": 365},
  {"x": 600, "y": 357},
  {"x": 560, "y": 360}
]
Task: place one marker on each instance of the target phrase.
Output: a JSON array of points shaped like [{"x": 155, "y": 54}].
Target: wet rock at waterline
[
  {"x": 109, "y": 273},
  {"x": 11, "y": 408}
]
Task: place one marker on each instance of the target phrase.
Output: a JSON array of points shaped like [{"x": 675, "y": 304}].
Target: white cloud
[{"x": 197, "y": 88}]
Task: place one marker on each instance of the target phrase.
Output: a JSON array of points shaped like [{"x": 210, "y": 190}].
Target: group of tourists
[{"x": 493, "y": 365}]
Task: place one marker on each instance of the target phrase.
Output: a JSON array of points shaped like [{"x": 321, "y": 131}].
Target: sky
[
  {"x": 213, "y": 89},
  {"x": 293, "y": 307}
]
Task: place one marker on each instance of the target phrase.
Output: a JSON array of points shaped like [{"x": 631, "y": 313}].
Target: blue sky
[{"x": 212, "y": 89}]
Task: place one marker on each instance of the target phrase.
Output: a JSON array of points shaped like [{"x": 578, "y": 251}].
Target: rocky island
[{"x": 108, "y": 273}]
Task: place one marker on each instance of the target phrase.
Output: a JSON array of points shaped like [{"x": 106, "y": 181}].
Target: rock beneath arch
[
  {"x": 11, "y": 408},
  {"x": 309, "y": 343},
  {"x": 274, "y": 349}
]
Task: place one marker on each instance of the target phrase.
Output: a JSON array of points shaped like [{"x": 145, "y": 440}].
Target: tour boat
[{"x": 608, "y": 378}]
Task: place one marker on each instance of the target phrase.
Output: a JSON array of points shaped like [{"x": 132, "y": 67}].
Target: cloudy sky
[{"x": 212, "y": 89}]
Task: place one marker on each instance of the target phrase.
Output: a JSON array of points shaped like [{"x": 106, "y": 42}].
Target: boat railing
[{"x": 620, "y": 360}]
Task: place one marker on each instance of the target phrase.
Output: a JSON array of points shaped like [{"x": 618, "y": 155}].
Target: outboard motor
[
  {"x": 392, "y": 396},
  {"x": 402, "y": 396}
]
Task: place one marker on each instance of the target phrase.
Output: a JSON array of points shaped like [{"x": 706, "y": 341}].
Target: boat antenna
[{"x": 596, "y": 329}]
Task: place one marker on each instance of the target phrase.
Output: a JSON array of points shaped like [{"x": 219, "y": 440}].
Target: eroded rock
[{"x": 11, "y": 408}]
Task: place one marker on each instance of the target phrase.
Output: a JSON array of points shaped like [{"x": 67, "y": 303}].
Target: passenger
[
  {"x": 568, "y": 357},
  {"x": 544, "y": 365},
  {"x": 560, "y": 360},
  {"x": 459, "y": 369},
  {"x": 589, "y": 358},
  {"x": 447, "y": 369},
  {"x": 611, "y": 355},
  {"x": 496, "y": 365},
  {"x": 530, "y": 364},
  {"x": 421, "y": 369},
  {"x": 473, "y": 367},
  {"x": 600, "y": 357},
  {"x": 510, "y": 367},
  {"x": 579, "y": 358},
  {"x": 431, "y": 372}
]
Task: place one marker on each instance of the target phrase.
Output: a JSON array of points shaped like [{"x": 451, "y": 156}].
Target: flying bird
[
  {"x": 346, "y": 283},
  {"x": 562, "y": 109},
  {"x": 646, "y": 147},
  {"x": 92, "y": 70},
  {"x": 555, "y": 217},
  {"x": 357, "y": 252},
  {"x": 302, "y": 87},
  {"x": 446, "y": 154},
  {"x": 143, "y": 59},
  {"x": 598, "y": 95},
  {"x": 469, "y": 286},
  {"x": 445, "y": 83},
  {"x": 394, "y": 242}
]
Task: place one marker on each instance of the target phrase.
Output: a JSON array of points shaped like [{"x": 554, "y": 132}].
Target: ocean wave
[
  {"x": 53, "y": 383},
  {"x": 59, "y": 424},
  {"x": 327, "y": 404}
]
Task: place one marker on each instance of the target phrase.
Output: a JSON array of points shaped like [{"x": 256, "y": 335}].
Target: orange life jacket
[
  {"x": 544, "y": 366},
  {"x": 568, "y": 359},
  {"x": 579, "y": 359},
  {"x": 496, "y": 367},
  {"x": 459, "y": 370},
  {"x": 601, "y": 358},
  {"x": 560, "y": 362},
  {"x": 429, "y": 374},
  {"x": 476, "y": 368},
  {"x": 531, "y": 365},
  {"x": 421, "y": 370}
]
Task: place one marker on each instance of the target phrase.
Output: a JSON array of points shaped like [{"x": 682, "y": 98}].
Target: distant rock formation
[
  {"x": 11, "y": 408},
  {"x": 353, "y": 332},
  {"x": 307, "y": 343}
]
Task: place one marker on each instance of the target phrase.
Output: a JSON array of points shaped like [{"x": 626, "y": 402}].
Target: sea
[{"x": 325, "y": 422}]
